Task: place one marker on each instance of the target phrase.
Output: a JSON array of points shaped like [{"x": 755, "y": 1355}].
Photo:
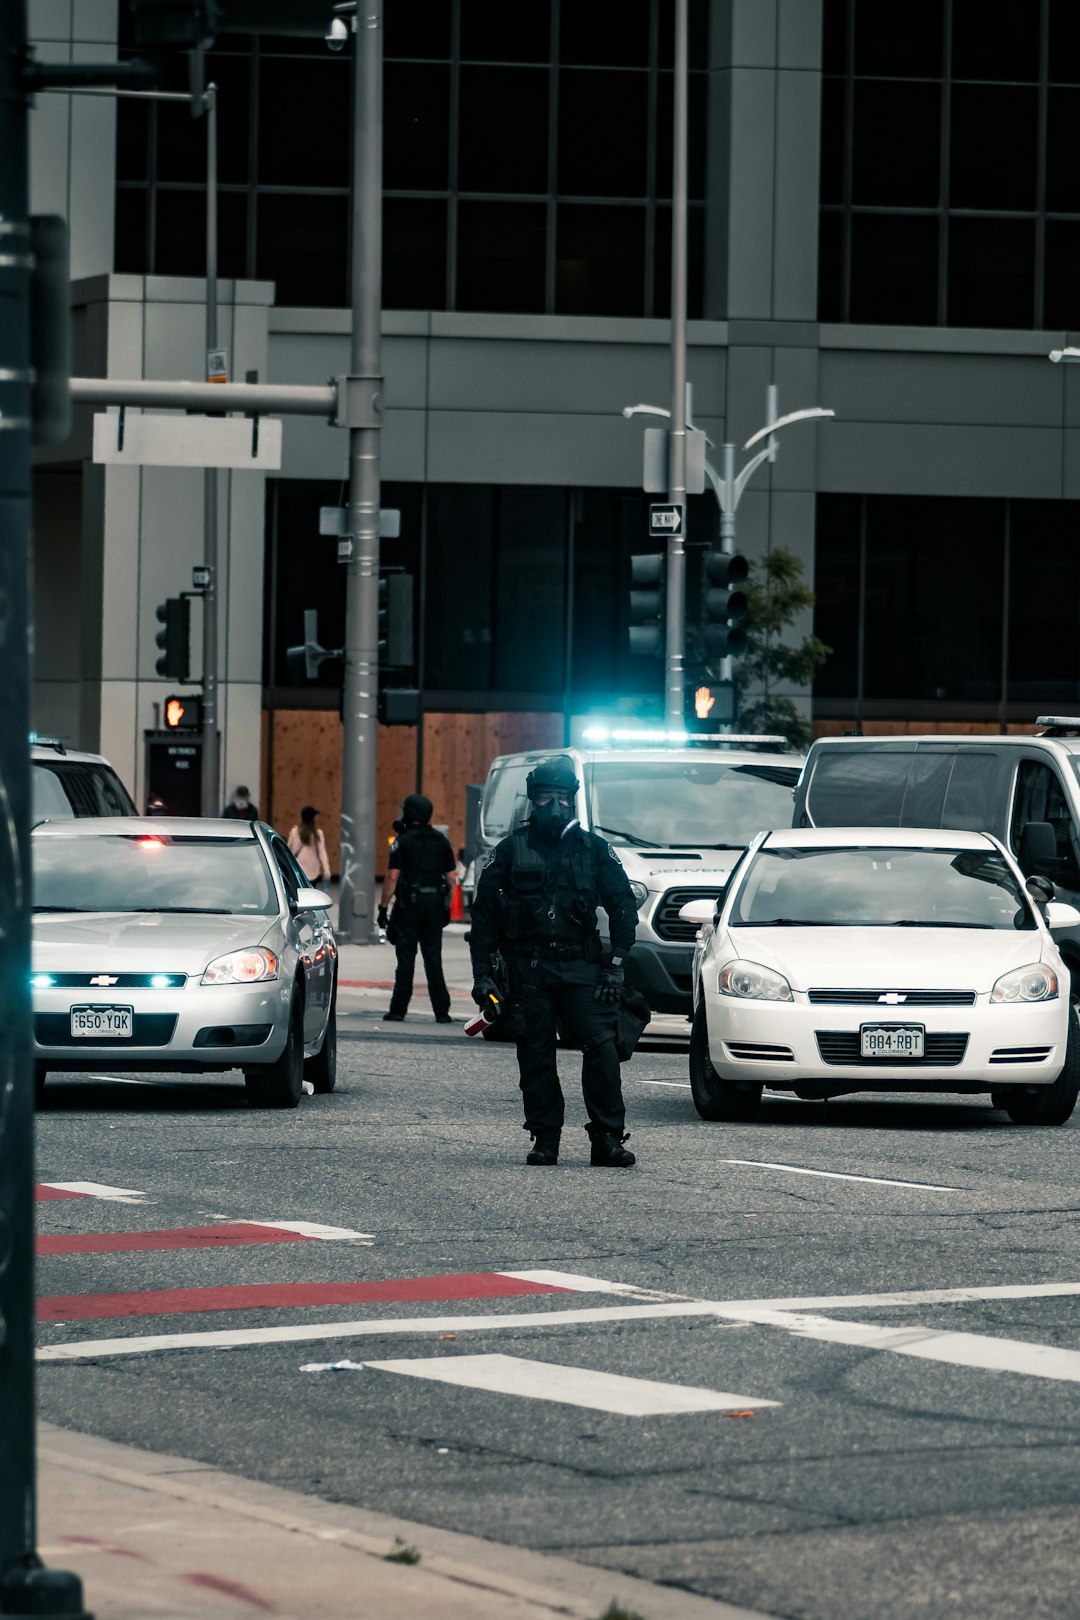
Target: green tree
[{"x": 777, "y": 594}]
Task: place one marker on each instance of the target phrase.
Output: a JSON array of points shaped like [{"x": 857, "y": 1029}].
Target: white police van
[{"x": 678, "y": 809}]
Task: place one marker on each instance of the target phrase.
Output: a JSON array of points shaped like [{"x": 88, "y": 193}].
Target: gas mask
[{"x": 552, "y": 811}]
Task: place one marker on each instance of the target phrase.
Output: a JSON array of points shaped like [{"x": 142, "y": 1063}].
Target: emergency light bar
[{"x": 681, "y": 739}]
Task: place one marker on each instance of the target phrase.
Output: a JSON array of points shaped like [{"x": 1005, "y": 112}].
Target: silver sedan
[{"x": 190, "y": 945}]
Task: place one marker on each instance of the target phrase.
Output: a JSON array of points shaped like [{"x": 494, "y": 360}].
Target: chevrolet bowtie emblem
[
  {"x": 104, "y": 978},
  {"x": 892, "y": 998}
]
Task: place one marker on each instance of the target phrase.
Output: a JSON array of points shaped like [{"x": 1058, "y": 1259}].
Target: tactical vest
[
  {"x": 545, "y": 901},
  {"x": 425, "y": 872}
]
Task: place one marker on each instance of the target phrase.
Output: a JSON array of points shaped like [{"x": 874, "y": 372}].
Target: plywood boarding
[{"x": 458, "y": 748}]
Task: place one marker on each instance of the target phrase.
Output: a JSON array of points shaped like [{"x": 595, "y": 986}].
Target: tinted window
[
  {"x": 972, "y": 800},
  {"x": 927, "y": 781},
  {"x": 858, "y": 787},
  {"x": 689, "y": 804},
  {"x": 1040, "y": 796},
  {"x": 881, "y": 888},
  {"x": 50, "y": 802},
  {"x": 151, "y": 873},
  {"x": 504, "y": 800},
  {"x": 90, "y": 790}
]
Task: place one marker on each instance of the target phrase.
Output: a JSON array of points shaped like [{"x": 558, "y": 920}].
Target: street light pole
[
  {"x": 675, "y": 626},
  {"x": 210, "y": 785},
  {"x": 356, "y": 908}
]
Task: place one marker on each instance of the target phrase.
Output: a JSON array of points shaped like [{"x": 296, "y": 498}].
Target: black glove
[
  {"x": 383, "y": 917},
  {"x": 484, "y": 987},
  {"x": 609, "y": 985}
]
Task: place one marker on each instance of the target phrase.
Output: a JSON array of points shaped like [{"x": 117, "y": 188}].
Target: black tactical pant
[
  {"x": 421, "y": 925},
  {"x": 558, "y": 998}
]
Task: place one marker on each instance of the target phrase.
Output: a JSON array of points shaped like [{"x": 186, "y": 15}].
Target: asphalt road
[{"x": 921, "y": 1455}]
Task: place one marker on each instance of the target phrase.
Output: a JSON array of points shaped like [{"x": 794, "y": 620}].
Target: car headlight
[
  {"x": 753, "y": 983},
  {"x": 242, "y": 967},
  {"x": 1034, "y": 983},
  {"x": 639, "y": 891}
]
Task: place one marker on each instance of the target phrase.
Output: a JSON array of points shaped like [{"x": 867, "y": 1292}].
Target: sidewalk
[{"x": 164, "y": 1538}]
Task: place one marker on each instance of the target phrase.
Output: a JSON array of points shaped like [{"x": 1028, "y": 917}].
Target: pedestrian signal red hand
[{"x": 703, "y": 702}]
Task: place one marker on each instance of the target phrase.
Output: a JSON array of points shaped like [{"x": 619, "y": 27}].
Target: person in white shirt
[{"x": 309, "y": 846}]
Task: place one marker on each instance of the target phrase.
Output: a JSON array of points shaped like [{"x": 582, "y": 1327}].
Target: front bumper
[
  {"x": 194, "y": 1029},
  {"x": 663, "y": 975},
  {"x": 979, "y": 1047}
]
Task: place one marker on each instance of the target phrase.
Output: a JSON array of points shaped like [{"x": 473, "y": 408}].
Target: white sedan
[{"x": 882, "y": 959}]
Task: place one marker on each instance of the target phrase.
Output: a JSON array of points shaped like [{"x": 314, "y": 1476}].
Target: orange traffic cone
[{"x": 457, "y": 909}]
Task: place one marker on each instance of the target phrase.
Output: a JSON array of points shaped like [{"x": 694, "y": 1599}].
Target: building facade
[{"x": 884, "y": 220}]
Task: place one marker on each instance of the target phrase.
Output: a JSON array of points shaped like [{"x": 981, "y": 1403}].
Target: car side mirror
[
  {"x": 1037, "y": 852},
  {"x": 698, "y": 911},
  {"x": 312, "y": 900},
  {"x": 1059, "y": 915}
]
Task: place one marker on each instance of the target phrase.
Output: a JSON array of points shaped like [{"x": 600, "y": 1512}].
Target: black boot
[
  {"x": 545, "y": 1148},
  {"x": 608, "y": 1150}
]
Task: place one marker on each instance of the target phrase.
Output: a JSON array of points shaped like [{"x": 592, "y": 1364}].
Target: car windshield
[
  {"x": 152, "y": 873},
  {"x": 880, "y": 887},
  {"x": 689, "y": 804}
]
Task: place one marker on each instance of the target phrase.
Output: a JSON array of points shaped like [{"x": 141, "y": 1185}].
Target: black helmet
[
  {"x": 555, "y": 775},
  {"x": 417, "y": 808}
]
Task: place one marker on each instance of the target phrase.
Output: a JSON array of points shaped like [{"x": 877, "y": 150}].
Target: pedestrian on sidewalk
[
  {"x": 309, "y": 846},
  {"x": 417, "y": 884},
  {"x": 240, "y": 807},
  {"x": 535, "y": 905}
]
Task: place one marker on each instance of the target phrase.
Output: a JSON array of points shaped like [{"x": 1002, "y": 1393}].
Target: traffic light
[
  {"x": 723, "y": 607},
  {"x": 183, "y": 713},
  {"x": 395, "y": 618},
  {"x": 174, "y": 638},
  {"x": 398, "y": 706},
  {"x": 648, "y": 580}
]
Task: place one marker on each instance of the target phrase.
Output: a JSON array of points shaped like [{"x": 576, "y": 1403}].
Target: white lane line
[
  {"x": 233, "y": 1338},
  {"x": 839, "y": 1175},
  {"x": 569, "y": 1386},
  {"x": 981, "y": 1350},
  {"x": 97, "y": 1189},
  {"x": 314, "y": 1229},
  {"x": 908, "y": 1296},
  {"x": 586, "y": 1285},
  {"x": 676, "y": 1085}
]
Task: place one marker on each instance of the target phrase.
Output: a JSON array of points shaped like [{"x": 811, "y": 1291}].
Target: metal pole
[
  {"x": 727, "y": 536},
  {"x": 25, "y": 1586},
  {"x": 356, "y": 907},
  {"x": 675, "y": 628},
  {"x": 211, "y": 786}
]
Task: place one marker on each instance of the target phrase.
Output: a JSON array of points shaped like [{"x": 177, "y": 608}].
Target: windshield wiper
[
  {"x": 795, "y": 922},
  {"x": 916, "y": 922},
  {"x": 183, "y": 911},
  {"x": 704, "y": 846},
  {"x": 64, "y": 908},
  {"x": 631, "y": 838}
]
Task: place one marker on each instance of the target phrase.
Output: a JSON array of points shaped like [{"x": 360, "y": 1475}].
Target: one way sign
[{"x": 665, "y": 521}]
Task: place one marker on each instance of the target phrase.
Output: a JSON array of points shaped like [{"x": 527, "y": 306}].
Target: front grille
[
  {"x": 909, "y": 998},
  {"x": 842, "y": 1046},
  {"x": 755, "y": 1052},
  {"x": 148, "y": 1029},
  {"x": 1021, "y": 1054},
  {"x": 666, "y": 920},
  {"x": 117, "y": 981}
]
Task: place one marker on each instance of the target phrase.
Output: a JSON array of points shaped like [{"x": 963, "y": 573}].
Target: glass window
[
  {"x": 505, "y": 802},
  {"x": 600, "y": 263},
  {"x": 530, "y": 589},
  {"x": 460, "y": 570},
  {"x": 830, "y": 267},
  {"x": 180, "y": 232},
  {"x": 1064, "y": 52},
  {"x": 973, "y": 791},
  {"x": 604, "y": 33},
  {"x": 133, "y": 139},
  {"x": 158, "y": 872},
  {"x": 896, "y": 144},
  {"x": 859, "y": 787},
  {"x": 1062, "y": 169},
  {"x": 699, "y": 804},
  {"x": 414, "y": 253},
  {"x": 302, "y": 245},
  {"x": 834, "y": 36},
  {"x": 291, "y": 875},
  {"x": 132, "y": 227},
  {"x": 304, "y": 122},
  {"x": 993, "y": 146},
  {"x": 416, "y": 139},
  {"x": 1003, "y": 47},
  {"x": 695, "y": 262},
  {"x": 1062, "y": 273},
  {"x": 1044, "y": 602},
  {"x": 697, "y": 115},
  {"x": 422, "y": 28},
  {"x": 894, "y": 269},
  {"x": 832, "y": 140},
  {"x": 504, "y": 129},
  {"x": 501, "y": 262},
  {"x": 1040, "y": 796},
  {"x": 909, "y": 49},
  {"x": 50, "y": 802},
  {"x": 603, "y": 126},
  {"x": 880, "y": 887},
  {"x": 924, "y": 794},
  {"x": 991, "y": 272},
  {"x": 492, "y": 31},
  {"x": 836, "y": 592}
]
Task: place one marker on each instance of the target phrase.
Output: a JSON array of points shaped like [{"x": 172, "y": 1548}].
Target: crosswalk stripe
[
  {"x": 46, "y": 1190},
  {"x": 569, "y": 1386},
  {"x": 271, "y": 1296}
]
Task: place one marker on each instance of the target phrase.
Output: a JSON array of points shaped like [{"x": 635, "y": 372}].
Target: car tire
[
  {"x": 281, "y": 1084},
  {"x": 321, "y": 1070},
  {"x": 715, "y": 1098},
  {"x": 1053, "y": 1104}
]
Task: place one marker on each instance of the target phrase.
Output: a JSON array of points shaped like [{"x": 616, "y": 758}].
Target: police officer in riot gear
[
  {"x": 417, "y": 880},
  {"x": 536, "y": 905}
]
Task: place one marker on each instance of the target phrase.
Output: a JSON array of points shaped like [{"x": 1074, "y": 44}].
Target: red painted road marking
[
  {"x": 269, "y": 1296},
  {"x": 43, "y": 1193},
  {"x": 181, "y": 1237}
]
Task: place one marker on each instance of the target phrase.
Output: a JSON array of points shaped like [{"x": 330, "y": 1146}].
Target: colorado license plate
[
  {"x": 892, "y": 1040},
  {"x": 102, "y": 1023}
]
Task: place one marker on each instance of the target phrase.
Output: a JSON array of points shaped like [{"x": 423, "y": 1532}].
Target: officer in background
[
  {"x": 536, "y": 905},
  {"x": 418, "y": 876}
]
